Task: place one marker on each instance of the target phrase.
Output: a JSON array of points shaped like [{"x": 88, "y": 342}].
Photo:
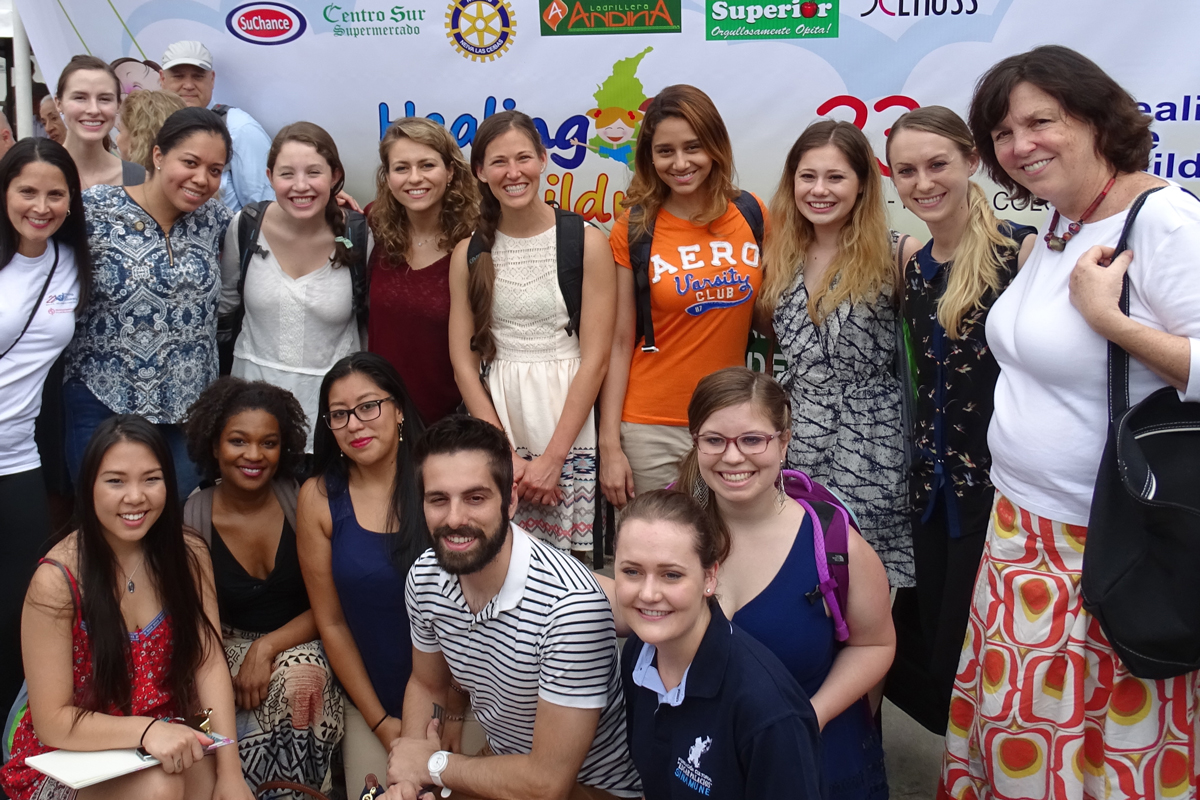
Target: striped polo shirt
[{"x": 547, "y": 634}]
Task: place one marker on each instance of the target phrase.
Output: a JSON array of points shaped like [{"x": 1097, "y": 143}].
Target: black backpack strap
[
  {"x": 250, "y": 222},
  {"x": 356, "y": 231},
  {"x": 569, "y": 228},
  {"x": 475, "y": 249},
  {"x": 1118, "y": 358},
  {"x": 639, "y": 261},
  {"x": 220, "y": 109},
  {"x": 748, "y": 205}
]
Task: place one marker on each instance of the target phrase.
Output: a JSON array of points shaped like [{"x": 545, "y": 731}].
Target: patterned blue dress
[
  {"x": 147, "y": 342},
  {"x": 846, "y": 415}
]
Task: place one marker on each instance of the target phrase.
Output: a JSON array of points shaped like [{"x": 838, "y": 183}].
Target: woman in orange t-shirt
[{"x": 703, "y": 274}]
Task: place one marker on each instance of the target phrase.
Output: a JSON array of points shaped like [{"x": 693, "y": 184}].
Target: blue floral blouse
[{"x": 147, "y": 343}]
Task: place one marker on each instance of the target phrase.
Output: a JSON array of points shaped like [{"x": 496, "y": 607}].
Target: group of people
[{"x": 375, "y": 515}]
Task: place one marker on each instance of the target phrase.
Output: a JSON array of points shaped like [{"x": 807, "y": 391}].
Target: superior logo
[
  {"x": 575, "y": 17},
  {"x": 266, "y": 23},
  {"x": 741, "y": 19}
]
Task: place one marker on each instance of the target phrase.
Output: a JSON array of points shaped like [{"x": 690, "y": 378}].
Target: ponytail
[
  {"x": 978, "y": 261},
  {"x": 481, "y": 276}
]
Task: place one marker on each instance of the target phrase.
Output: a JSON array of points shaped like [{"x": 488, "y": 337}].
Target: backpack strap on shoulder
[
  {"x": 220, "y": 109},
  {"x": 569, "y": 232},
  {"x": 830, "y": 545},
  {"x": 356, "y": 232},
  {"x": 250, "y": 220},
  {"x": 197, "y": 513},
  {"x": 747, "y": 204},
  {"x": 639, "y": 260}
]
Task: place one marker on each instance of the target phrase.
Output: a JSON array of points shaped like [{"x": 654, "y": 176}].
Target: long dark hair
[
  {"x": 647, "y": 191},
  {"x": 482, "y": 279},
  {"x": 171, "y": 561},
  {"x": 73, "y": 232},
  {"x": 406, "y": 513},
  {"x": 319, "y": 139}
]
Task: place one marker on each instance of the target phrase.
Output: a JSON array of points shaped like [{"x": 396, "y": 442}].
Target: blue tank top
[
  {"x": 371, "y": 592},
  {"x": 801, "y": 636}
]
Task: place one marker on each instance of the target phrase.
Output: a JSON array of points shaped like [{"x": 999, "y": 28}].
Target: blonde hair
[
  {"x": 979, "y": 258},
  {"x": 863, "y": 266},
  {"x": 460, "y": 205},
  {"x": 647, "y": 191},
  {"x": 142, "y": 116}
]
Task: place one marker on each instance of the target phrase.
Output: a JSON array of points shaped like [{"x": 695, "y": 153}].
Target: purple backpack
[{"x": 831, "y": 526}]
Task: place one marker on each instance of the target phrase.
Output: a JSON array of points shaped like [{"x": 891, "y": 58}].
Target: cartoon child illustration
[
  {"x": 135, "y": 74},
  {"x": 615, "y": 127}
]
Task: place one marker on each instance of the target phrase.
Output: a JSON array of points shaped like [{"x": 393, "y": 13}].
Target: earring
[
  {"x": 700, "y": 492},
  {"x": 781, "y": 494},
  {"x": 708, "y": 591},
  {"x": 400, "y": 430}
]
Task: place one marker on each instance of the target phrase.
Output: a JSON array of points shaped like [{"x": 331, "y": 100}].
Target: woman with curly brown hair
[
  {"x": 250, "y": 436},
  {"x": 426, "y": 202},
  {"x": 302, "y": 302}
]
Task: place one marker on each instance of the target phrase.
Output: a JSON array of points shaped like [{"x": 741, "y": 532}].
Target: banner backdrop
[{"x": 583, "y": 68}]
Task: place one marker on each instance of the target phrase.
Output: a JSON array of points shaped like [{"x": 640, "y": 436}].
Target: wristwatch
[{"x": 436, "y": 766}]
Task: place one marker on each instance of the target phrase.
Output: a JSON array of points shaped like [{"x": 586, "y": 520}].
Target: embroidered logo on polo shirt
[{"x": 689, "y": 771}]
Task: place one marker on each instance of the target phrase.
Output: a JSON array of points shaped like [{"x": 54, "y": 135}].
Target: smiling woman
[
  {"x": 89, "y": 97},
  {"x": 147, "y": 342},
  {"x": 298, "y": 277},
  {"x": 717, "y": 681},
  {"x": 121, "y": 621},
  {"x": 250, "y": 436},
  {"x": 359, "y": 530},
  {"x": 45, "y": 273}
]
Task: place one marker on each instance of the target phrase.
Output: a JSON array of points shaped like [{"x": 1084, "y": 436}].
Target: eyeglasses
[
  {"x": 364, "y": 411},
  {"x": 750, "y": 444}
]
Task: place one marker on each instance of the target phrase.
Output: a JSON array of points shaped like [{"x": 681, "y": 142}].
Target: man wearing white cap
[{"x": 188, "y": 72}]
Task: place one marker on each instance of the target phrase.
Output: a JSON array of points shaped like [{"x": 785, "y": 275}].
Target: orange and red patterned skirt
[{"x": 1042, "y": 707}]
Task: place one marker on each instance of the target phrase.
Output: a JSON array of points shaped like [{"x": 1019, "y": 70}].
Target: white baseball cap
[{"x": 187, "y": 53}]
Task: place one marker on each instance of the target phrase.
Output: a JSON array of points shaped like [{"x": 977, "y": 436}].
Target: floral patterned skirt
[{"x": 1042, "y": 707}]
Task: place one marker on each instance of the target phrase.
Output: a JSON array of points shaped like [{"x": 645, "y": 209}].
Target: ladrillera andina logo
[
  {"x": 266, "y": 23},
  {"x": 555, "y": 13}
]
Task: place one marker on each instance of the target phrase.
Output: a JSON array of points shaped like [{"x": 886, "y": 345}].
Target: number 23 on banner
[{"x": 860, "y": 112}]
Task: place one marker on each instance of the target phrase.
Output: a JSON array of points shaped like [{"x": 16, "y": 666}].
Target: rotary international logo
[{"x": 482, "y": 30}]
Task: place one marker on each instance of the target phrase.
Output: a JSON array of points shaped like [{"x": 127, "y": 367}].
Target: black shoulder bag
[{"x": 1141, "y": 564}]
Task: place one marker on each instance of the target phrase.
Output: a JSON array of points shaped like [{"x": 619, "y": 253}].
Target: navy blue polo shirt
[{"x": 743, "y": 729}]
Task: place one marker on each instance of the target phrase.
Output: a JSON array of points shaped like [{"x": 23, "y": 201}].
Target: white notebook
[{"x": 80, "y": 769}]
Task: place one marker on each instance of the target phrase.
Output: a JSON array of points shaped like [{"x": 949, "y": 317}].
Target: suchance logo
[{"x": 265, "y": 23}]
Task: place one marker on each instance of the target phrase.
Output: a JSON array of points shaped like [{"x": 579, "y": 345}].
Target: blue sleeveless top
[
  {"x": 371, "y": 592},
  {"x": 801, "y": 636}
]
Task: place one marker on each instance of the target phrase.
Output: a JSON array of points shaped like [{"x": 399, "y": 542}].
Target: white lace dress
[{"x": 528, "y": 379}]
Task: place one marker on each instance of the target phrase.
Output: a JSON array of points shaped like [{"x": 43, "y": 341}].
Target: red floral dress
[{"x": 150, "y": 656}]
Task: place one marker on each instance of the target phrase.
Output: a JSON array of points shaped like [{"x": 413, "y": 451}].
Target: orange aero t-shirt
[{"x": 703, "y": 284}]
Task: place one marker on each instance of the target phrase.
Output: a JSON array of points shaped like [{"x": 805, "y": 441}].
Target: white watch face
[{"x": 437, "y": 763}]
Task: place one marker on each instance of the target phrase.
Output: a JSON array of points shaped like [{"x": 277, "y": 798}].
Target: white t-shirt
[
  {"x": 23, "y": 371},
  {"x": 1051, "y": 419}
]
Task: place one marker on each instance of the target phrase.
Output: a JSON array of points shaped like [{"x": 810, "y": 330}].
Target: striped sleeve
[
  {"x": 578, "y": 651},
  {"x": 420, "y": 589}
]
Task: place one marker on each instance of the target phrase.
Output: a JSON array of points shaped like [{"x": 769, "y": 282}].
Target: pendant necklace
[
  {"x": 1059, "y": 243},
  {"x": 129, "y": 585}
]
